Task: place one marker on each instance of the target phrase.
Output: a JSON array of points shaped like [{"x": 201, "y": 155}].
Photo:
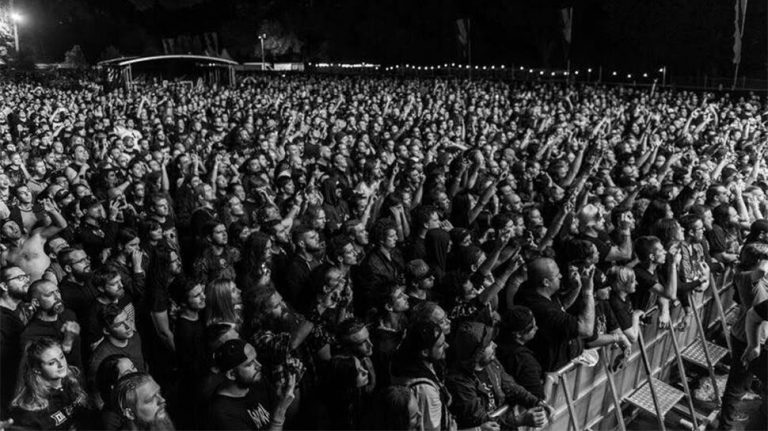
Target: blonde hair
[
  {"x": 620, "y": 276},
  {"x": 32, "y": 392}
]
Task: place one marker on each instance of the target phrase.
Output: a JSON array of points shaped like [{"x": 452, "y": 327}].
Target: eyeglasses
[
  {"x": 19, "y": 277},
  {"x": 81, "y": 260}
]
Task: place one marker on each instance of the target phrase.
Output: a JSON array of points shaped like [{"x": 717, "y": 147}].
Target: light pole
[
  {"x": 16, "y": 18},
  {"x": 261, "y": 39}
]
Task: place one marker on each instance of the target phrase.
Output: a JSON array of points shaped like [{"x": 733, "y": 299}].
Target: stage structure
[{"x": 125, "y": 71}]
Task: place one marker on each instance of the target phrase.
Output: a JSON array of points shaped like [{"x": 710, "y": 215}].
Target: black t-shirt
[
  {"x": 190, "y": 347},
  {"x": 78, "y": 298},
  {"x": 520, "y": 362},
  {"x": 644, "y": 296},
  {"x": 605, "y": 320},
  {"x": 10, "y": 355},
  {"x": 622, "y": 309},
  {"x": 38, "y": 328},
  {"x": 62, "y": 413},
  {"x": 251, "y": 412},
  {"x": 557, "y": 340},
  {"x": 762, "y": 310}
]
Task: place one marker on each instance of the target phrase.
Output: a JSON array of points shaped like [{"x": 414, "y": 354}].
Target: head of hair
[
  {"x": 126, "y": 391},
  {"x": 666, "y": 230},
  {"x": 108, "y": 314},
  {"x": 620, "y": 276},
  {"x": 102, "y": 275},
  {"x": 752, "y": 254},
  {"x": 298, "y": 232},
  {"x": 721, "y": 214},
  {"x": 380, "y": 230},
  {"x": 107, "y": 375},
  {"x": 336, "y": 247},
  {"x": 422, "y": 215},
  {"x": 220, "y": 306},
  {"x": 124, "y": 236},
  {"x": 32, "y": 392},
  {"x": 392, "y": 408},
  {"x": 644, "y": 247},
  {"x": 688, "y": 221},
  {"x": 423, "y": 311}
]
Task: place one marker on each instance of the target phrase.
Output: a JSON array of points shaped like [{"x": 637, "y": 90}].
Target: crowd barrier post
[
  {"x": 569, "y": 403},
  {"x": 683, "y": 379},
  {"x": 612, "y": 387},
  {"x": 705, "y": 346},
  {"x": 720, "y": 310},
  {"x": 649, "y": 380}
]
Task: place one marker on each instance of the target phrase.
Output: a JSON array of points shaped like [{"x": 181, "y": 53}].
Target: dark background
[{"x": 691, "y": 37}]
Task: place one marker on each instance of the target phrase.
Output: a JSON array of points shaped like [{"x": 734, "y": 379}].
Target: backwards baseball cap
[
  {"x": 88, "y": 201},
  {"x": 518, "y": 318},
  {"x": 758, "y": 227},
  {"x": 230, "y": 354}
]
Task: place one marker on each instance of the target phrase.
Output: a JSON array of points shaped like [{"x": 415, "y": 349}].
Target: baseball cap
[
  {"x": 518, "y": 318},
  {"x": 230, "y": 354},
  {"x": 757, "y": 228}
]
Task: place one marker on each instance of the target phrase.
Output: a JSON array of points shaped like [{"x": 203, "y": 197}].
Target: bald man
[
  {"x": 51, "y": 319},
  {"x": 558, "y": 338}
]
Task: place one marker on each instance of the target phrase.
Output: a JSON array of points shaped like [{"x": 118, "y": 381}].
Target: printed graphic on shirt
[{"x": 259, "y": 416}]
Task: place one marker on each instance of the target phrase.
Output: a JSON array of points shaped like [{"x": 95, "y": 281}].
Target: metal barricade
[{"x": 590, "y": 398}]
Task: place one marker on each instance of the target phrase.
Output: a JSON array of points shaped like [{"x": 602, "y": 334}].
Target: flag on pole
[
  {"x": 566, "y": 16},
  {"x": 739, "y": 18},
  {"x": 462, "y": 37}
]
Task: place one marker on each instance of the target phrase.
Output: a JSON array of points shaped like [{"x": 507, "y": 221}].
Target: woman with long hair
[
  {"x": 255, "y": 267},
  {"x": 344, "y": 389},
  {"x": 223, "y": 303},
  {"x": 48, "y": 394},
  {"x": 397, "y": 409},
  {"x": 109, "y": 372}
]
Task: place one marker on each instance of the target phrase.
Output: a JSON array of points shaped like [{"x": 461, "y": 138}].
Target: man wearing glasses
[{"x": 14, "y": 284}]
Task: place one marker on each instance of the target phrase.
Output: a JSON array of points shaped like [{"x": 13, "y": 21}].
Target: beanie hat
[{"x": 470, "y": 340}]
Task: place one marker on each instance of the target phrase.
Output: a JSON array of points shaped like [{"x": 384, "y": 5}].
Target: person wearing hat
[
  {"x": 241, "y": 401},
  {"x": 479, "y": 385},
  {"x": 517, "y": 329},
  {"x": 758, "y": 232}
]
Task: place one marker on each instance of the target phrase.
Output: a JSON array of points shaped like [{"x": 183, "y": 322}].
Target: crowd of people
[{"x": 350, "y": 253}]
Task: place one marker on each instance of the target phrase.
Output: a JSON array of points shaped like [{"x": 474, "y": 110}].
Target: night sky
[{"x": 691, "y": 37}]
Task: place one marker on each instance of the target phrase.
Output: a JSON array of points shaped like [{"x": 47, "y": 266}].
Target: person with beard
[
  {"x": 558, "y": 339},
  {"x": 592, "y": 229},
  {"x": 189, "y": 336},
  {"x": 141, "y": 403},
  {"x": 416, "y": 365},
  {"x": 52, "y": 247},
  {"x": 76, "y": 288},
  {"x": 354, "y": 340},
  {"x": 28, "y": 252},
  {"x": 110, "y": 290},
  {"x": 96, "y": 233},
  {"x": 218, "y": 259},
  {"x": 48, "y": 393},
  {"x": 242, "y": 402},
  {"x": 341, "y": 256},
  {"x": 479, "y": 385},
  {"x": 120, "y": 336},
  {"x": 295, "y": 285},
  {"x": 52, "y": 319},
  {"x": 14, "y": 284},
  {"x": 128, "y": 260}
]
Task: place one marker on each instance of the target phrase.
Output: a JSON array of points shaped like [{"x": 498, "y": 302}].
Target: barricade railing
[{"x": 585, "y": 397}]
